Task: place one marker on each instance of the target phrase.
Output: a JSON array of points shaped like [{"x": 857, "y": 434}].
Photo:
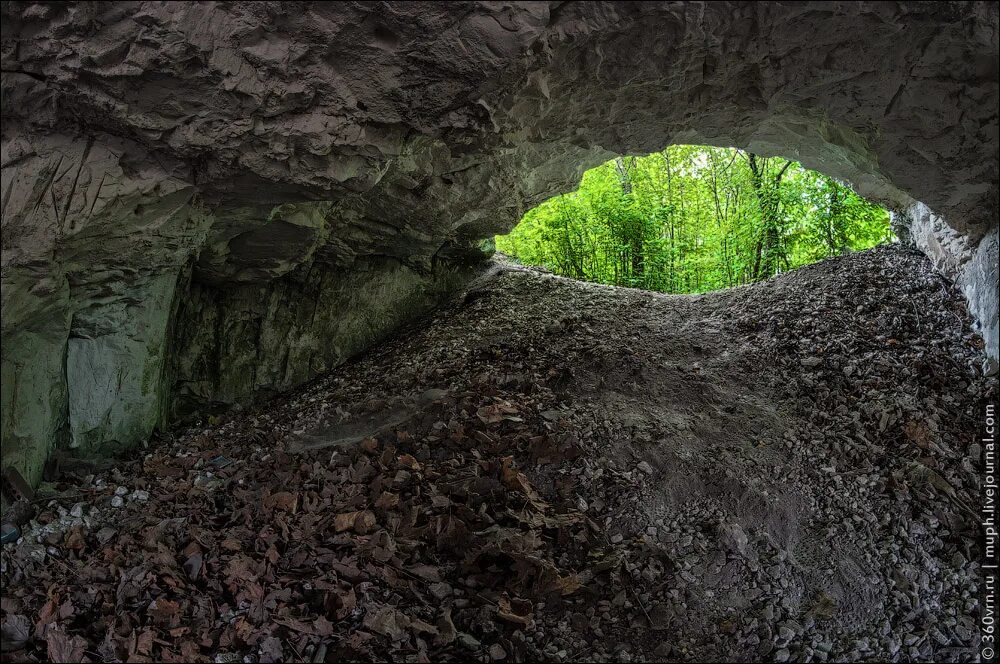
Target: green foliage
[{"x": 692, "y": 219}]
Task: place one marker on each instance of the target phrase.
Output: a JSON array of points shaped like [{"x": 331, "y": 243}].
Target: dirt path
[{"x": 555, "y": 470}]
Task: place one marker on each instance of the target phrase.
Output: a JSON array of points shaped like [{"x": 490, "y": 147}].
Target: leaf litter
[{"x": 508, "y": 503}]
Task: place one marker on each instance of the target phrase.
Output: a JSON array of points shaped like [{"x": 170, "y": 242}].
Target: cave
[{"x": 207, "y": 206}]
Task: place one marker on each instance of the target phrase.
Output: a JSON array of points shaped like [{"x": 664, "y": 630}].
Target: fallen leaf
[
  {"x": 389, "y": 622},
  {"x": 16, "y": 630},
  {"x": 192, "y": 566},
  {"x": 144, "y": 643},
  {"x": 165, "y": 612},
  {"x": 387, "y": 501},
  {"x": 322, "y": 627},
  {"x": 271, "y": 650},
  {"x": 364, "y": 522},
  {"x": 426, "y": 572},
  {"x": 75, "y": 539},
  {"x": 63, "y": 648},
  {"x": 446, "y": 629},
  {"x": 515, "y": 611},
  {"x": 420, "y": 627},
  {"x": 408, "y": 461},
  {"x": 285, "y": 501},
  {"x": 517, "y": 481},
  {"x": 47, "y": 615},
  {"x": 230, "y": 544},
  {"x": 345, "y": 603},
  {"x": 345, "y": 521}
]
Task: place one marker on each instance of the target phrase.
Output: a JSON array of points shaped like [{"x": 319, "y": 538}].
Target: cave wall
[
  {"x": 236, "y": 342},
  {"x": 180, "y": 177}
]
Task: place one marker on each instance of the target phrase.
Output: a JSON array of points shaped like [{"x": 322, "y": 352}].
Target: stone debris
[{"x": 750, "y": 510}]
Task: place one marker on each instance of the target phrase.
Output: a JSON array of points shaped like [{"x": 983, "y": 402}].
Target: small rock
[
  {"x": 440, "y": 590},
  {"x": 104, "y": 535},
  {"x": 732, "y": 537},
  {"x": 645, "y": 467},
  {"x": 468, "y": 641},
  {"x": 117, "y": 502}
]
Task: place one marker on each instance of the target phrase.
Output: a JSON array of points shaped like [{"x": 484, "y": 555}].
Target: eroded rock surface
[{"x": 158, "y": 155}]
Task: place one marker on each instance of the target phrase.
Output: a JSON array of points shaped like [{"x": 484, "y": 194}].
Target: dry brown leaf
[
  {"x": 517, "y": 481},
  {"x": 364, "y": 522},
  {"x": 361, "y": 521},
  {"x": 387, "y": 501},
  {"x": 16, "y": 630},
  {"x": 75, "y": 539},
  {"x": 345, "y": 603},
  {"x": 446, "y": 629},
  {"x": 144, "y": 643},
  {"x": 192, "y": 566},
  {"x": 489, "y": 414},
  {"x": 389, "y": 622},
  {"x": 408, "y": 461},
  {"x": 919, "y": 433},
  {"x": 285, "y": 501},
  {"x": 295, "y": 624},
  {"x": 566, "y": 585},
  {"x": 165, "y": 612},
  {"x": 271, "y": 650},
  {"x": 62, "y": 647},
  {"x": 344, "y": 521},
  {"x": 230, "y": 544},
  {"x": 420, "y": 627},
  {"x": 515, "y": 611},
  {"x": 384, "y": 546},
  {"x": 426, "y": 572},
  {"x": 322, "y": 627},
  {"x": 47, "y": 615}
]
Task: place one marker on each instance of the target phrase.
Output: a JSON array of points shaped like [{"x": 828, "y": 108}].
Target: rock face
[{"x": 205, "y": 201}]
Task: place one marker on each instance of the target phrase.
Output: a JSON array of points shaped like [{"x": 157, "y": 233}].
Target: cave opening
[
  {"x": 270, "y": 222},
  {"x": 693, "y": 219}
]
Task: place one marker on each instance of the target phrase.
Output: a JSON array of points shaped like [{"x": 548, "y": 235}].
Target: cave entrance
[{"x": 695, "y": 218}]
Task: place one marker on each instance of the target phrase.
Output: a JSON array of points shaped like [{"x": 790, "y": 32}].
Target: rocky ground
[{"x": 552, "y": 470}]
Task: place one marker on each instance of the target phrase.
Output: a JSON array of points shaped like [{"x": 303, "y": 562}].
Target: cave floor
[{"x": 553, "y": 470}]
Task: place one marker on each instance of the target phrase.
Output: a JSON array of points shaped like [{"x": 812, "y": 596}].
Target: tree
[{"x": 695, "y": 218}]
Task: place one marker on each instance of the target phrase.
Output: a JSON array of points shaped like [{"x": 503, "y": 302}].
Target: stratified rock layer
[{"x": 169, "y": 166}]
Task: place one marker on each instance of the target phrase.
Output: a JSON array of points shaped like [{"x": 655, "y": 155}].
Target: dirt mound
[{"x": 553, "y": 470}]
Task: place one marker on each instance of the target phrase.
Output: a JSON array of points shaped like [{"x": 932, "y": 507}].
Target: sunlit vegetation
[{"x": 694, "y": 218}]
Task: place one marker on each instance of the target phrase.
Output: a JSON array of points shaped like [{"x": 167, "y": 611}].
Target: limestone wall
[{"x": 180, "y": 177}]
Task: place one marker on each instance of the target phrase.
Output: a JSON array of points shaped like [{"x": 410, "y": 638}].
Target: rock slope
[{"x": 549, "y": 470}]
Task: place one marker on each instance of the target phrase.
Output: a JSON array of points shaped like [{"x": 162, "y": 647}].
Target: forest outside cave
[{"x": 695, "y": 218}]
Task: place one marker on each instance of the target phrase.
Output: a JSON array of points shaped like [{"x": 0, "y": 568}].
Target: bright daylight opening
[{"x": 695, "y": 218}]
